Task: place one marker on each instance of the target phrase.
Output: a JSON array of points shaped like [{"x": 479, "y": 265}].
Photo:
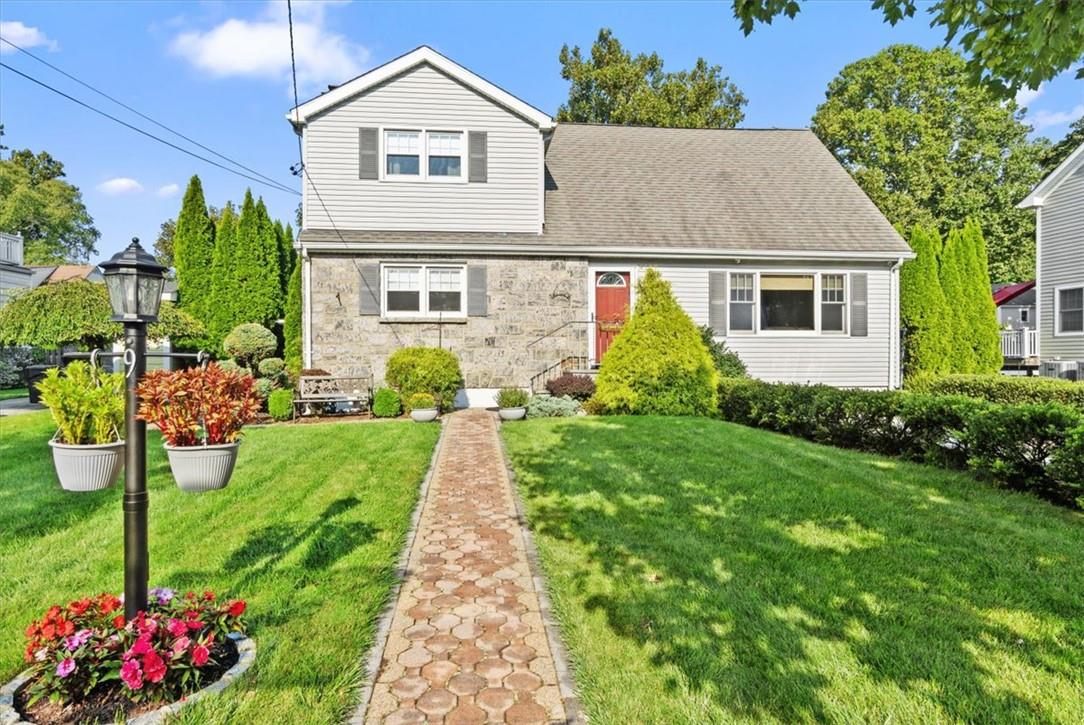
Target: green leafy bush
[
  {"x": 87, "y": 404},
  {"x": 580, "y": 387},
  {"x": 425, "y": 370},
  {"x": 1067, "y": 466},
  {"x": 552, "y": 406},
  {"x": 421, "y": 401},
  {"x": 1004, "y": 389},
  {"x": 512, "y": 398},
  {"x": 271, "y": 367},
  {"x": 280, "y": 404},
  {"x": 386, "y": 403},
  {"x": 249, "y": 343},
  {"x": 727, "y": 362},
  {"x": 13, "y": 361},
  {"x": 935, "y": 428},
  {"x": 657, "y": 364}
]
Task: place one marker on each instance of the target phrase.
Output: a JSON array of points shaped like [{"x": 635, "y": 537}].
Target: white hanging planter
[
  {"x": 512, "y": 413},
  {"x": 202, "y": 468},
  {"x": 90, "y": 467},
  {"x": 424, "y": 415}
]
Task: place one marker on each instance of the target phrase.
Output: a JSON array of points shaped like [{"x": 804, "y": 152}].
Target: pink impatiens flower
[
  {"x": 66, "y": 667},
  {"x": 200, "y": 654},
  {"x": 180, "y": 645},
  {"x": 153, "y": 667},
  {"x": 132, "y": 675},
  {"x": 78, "y": 639},
  {"x": 141, "y": 647},
  {"x": 176, "y": 627}
]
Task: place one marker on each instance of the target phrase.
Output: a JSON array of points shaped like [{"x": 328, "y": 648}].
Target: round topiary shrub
[
  {"x": 280, "y": 404},
  {"x": 271, "y": 367},
  {"x": 249, "y": 343},
  {"x": 658, "y": 364},
  {"x": 386, "y": 403},
  {"x": 264, "y": 387},
  {"x": 425, "y": 370}
]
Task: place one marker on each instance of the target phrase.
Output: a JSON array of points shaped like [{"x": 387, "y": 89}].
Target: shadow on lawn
[{"x": 752, "y": 565}]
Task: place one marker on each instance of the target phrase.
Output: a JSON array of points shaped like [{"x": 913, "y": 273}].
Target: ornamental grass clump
[
  {"x": 87, "y": 653},
  {"x": 87, "y": 404},
  {"x": 199, "y": 406},
  {"x": 658, "y": 364}
]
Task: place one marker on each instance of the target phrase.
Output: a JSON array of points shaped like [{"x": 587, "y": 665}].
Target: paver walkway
[{"x": 467, "y": 642}]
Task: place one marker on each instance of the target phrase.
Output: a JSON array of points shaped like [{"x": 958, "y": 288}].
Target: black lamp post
[{"x": 134, "y": 280}]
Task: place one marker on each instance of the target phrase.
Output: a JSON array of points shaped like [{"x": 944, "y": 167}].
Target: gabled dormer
[{"x": 422, "y": 144}]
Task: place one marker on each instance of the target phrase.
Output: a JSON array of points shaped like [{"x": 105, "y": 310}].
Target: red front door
[{"x": 611, "y": 308}]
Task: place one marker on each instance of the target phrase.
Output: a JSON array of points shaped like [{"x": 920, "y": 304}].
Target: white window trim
[
  {"x": 1057, "y": 311},
  {"x": 423, "y": 176},
  {"x": 817, "y": 331},
  {"x": 423, "y": 292}
]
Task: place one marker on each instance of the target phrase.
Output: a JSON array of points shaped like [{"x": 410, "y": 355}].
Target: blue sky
[{"x": 219, "y": 72}]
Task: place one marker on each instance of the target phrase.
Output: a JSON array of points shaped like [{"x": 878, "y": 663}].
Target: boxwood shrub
[
  {"x": 1031, "y": 447},
  {"x": 1004, "y": 389},
  {"x": 280, "y": 404},
  {"x": 425, "y": 370},
  {"x": 386, "y": 403}
]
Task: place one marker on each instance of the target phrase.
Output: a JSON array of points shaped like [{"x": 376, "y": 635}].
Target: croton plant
[
  {"x": 159, "y": 655},
  {"x": 198, "y": 406}
]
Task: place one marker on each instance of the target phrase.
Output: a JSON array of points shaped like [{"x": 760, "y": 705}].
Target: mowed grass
[
  {"x": 308, "y": 532},
  {"x": 9, "y": 393},
  {"x": 703, "y": 572}
]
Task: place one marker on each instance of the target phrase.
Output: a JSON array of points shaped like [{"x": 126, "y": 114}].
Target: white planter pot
[
  {"x": 202, "y": 468},
  {"x": 87, "y": 468},
  {"x": 512, "y": 413},
  {"x": 424, "y": 415}
]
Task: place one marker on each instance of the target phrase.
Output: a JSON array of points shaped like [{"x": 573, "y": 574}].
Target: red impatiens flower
[
  {"x": 154, "y": 669},
  {"x": 118, "y": 621},
  {"x": 108, "y": 603},
  {"x": 132, "y": 675},
  {"x": 53, "y": 613},
  {"x": 79, "y": 607},
  {"x": 237, "y": 607},
  {"x": 200, "y": 654},
  {"x": 208, "y": 596},
  {"x": 48, "y": 631},
  {"x": 65, "y": 628}
]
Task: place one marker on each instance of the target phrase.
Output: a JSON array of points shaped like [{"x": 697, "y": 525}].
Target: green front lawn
[
  {"x": 308, "y": 531},
  {"x": 704, "y": 572},
  {"x": 9, "y": 393}
]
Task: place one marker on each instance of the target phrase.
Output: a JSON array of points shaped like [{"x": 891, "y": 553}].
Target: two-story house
[
  {"x": 1058, "y": 201},
  {"x": 439, "y": 209},
  {"x": 13, "y": 275}
]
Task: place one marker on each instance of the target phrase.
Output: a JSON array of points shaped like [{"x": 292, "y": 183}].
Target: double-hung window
[
  {"x": 1069, "y": 310},
  {"x": 742, "y": 302},
  {"x": 833, "y": 303},
  {"x": 445, "y": 154},
  {"x": 421, "y": 155},
  {"x": 424, "y": 290},
  {"x": 402, "y": 153}
]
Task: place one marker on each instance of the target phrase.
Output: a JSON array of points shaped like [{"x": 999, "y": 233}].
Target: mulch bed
[{"x": 107, "y": 703}]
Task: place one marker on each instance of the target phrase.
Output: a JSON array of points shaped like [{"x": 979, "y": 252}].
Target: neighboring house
[
  {"x": 13, "y": 275},
  {"x": 439, "y": 209},
  {"x": 1015, "y": 305},
  {"x": 45, "y": 274},
  {"x": 1058, "y": 201}
]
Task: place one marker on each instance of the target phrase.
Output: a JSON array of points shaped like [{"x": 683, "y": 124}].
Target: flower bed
[{"x": 88, "y": 663}]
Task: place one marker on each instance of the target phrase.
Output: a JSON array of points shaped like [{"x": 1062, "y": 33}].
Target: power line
[
  {"x": 275, "y": 185},
  {"x": 142, "y": 115}
]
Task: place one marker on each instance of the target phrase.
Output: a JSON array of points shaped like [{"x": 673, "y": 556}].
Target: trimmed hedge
[
  {"x": 1037, "y": 448},
  {"x": 1004, "y": 389},
  {"x": 280, "y": 404},
  {"x": 425, "y": 370},
  {"x": 386, "y": 403}
]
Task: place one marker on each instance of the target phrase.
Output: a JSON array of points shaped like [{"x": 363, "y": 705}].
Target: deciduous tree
[{"x": 1061, "y": 150}]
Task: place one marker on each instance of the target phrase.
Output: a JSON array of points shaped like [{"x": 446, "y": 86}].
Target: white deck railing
[
  {"x": 11, "y": 249},
  {"x": 1019, "y": 344}
]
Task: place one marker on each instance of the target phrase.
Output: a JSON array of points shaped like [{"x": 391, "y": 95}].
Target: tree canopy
[
  {"x": 613, "y": 86},
  {"x": 931, "y": 148},
  {"x": 1010, "y": 43},
  {"x": 47, "y": 211},
  {"x": 77, "y": 312},
  {"x": 1061, "y": 150}
]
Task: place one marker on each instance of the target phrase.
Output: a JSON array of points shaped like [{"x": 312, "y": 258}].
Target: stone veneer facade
[{"x": 528, "y": 297}]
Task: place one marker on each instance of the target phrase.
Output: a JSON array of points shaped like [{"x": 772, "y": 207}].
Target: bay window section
[
  {"x": 445, "y": 154},
  {"x": 424, "y": 291},
  {"x": 742, "y": 301},
  {"x": 786, "y": 303},
  {"x": 833, "y": 303},
  {"x": 402, "y": 152}
]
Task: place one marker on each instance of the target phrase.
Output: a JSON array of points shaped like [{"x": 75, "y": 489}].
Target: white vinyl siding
[
  {"x": 805, "y": 357},
  {"x": 1061, "y": 263},
  {"x": 423, "y": 99}
]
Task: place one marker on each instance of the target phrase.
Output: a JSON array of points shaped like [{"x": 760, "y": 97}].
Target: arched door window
[{"x": 611, "y": 279}]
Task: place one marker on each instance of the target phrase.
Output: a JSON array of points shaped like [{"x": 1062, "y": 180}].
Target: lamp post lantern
[{"x": 134, "y": 280}]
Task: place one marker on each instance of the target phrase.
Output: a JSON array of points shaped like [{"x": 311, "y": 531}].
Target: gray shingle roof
[{"x": 689, "y": 189}]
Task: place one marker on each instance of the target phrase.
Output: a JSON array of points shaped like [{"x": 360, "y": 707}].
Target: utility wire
[
  {"x": 142, "y": 115},
  {"x": 159, "y": 139}
]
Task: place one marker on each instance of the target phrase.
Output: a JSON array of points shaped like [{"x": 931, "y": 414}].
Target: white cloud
[
  {"x": 168, "y": 190},
  {"x": 24, "y": 36},
  {"x": 120, "y": 185},
  {"x": 260, "y": 47},
  {"x": 1044, "y": 119},
  {"x": 1026, "y": 96}
]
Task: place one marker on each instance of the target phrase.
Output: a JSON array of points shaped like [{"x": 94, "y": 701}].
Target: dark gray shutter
[
  {"x": 859, "y": 308},
  {"x": 717, "y": 301},
  {"x": 369, "y": 289},
  {"x": 368, "y": 153},
  {"x": 476, "y": 290},
  {"x": 478, "y": 144}
]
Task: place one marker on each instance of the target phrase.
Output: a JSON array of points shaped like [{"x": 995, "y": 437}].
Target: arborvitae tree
[
  {"x": 222, "y": 315},
  {"x": 291, "y": 328},
  {"x": 923, "y": 311},
  {"x": 984, "y": 327},
  {"x": 270, "y": 249},
  {"x": 952, "y": 273},
  {"x": 193, "y": 254},
  {"x": 254, "y": 279},
  {"x": 285, "y": 251}
]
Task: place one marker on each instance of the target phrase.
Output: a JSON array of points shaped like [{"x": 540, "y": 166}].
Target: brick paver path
[{"x": 467, "y": 643}]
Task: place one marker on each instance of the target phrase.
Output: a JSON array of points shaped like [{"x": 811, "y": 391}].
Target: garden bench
[{"x": 321, "y": 394}]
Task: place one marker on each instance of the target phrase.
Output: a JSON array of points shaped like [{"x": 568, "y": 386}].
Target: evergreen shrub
[
  {"x": 280, "y": 404},
  {"x": 386, "y": 403},
  {"x": 425, "y": 370}
]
